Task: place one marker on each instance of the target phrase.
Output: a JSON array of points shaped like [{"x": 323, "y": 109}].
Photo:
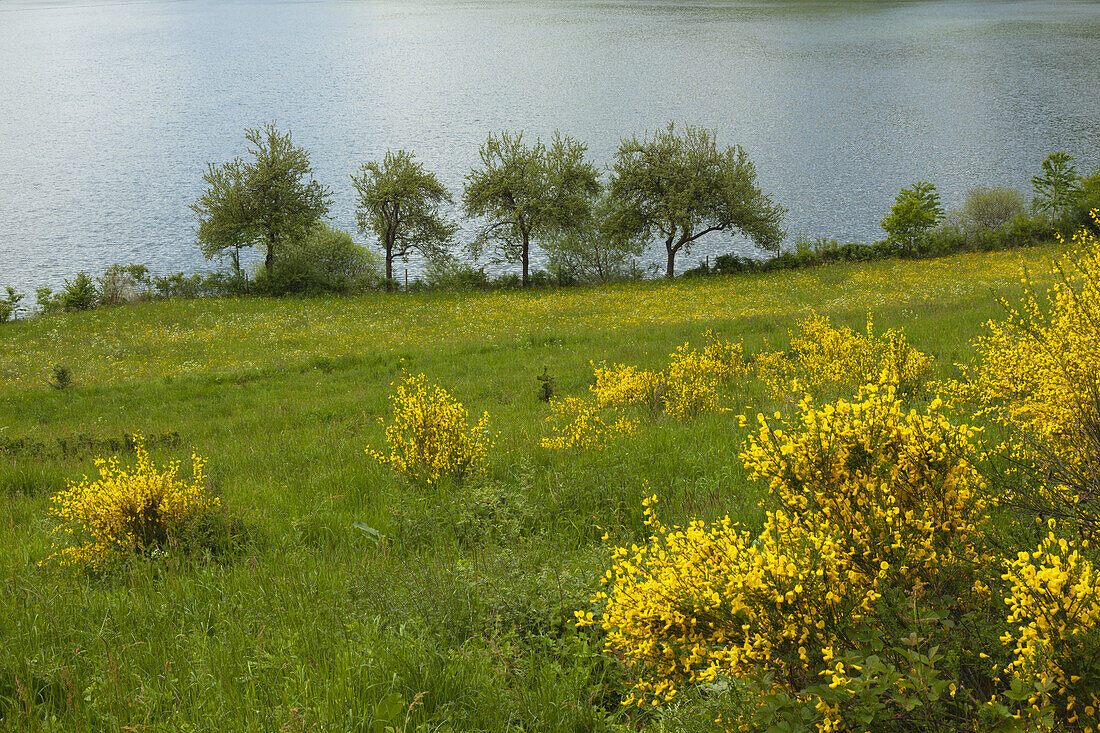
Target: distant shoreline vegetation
[{"x": 669, "y": 189}]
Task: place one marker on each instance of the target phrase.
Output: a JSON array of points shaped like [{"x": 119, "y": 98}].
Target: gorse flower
[
  {"x": 691, "y": 384},
  {"x": 580, "y": 424},
  {"x": 431, "y": 438},
  {"x": 1053, "y": 611},
  {"x": 822, "y": 355},
  {"x": 127, "y": 509}
]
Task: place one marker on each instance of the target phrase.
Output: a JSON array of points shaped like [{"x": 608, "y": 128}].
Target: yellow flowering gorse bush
[
  {"x": 581, "y": 424},
  {"x": 822, "y": 355},
  {"x": 127, "y": 509},
  {"x": 430, "y": 437},
  {"x": 1038, "y": 374},
  {"x": 870, "y": 497},
  {"x": 900, "y": 486},
  {"x": 691, "y": 384},
  {"x": 1053, "y": 611}
]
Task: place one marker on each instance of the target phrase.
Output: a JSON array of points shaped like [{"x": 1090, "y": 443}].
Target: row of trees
[
  {"x": 672, "y": 187},
  {"x": 1061, "y": 195}
]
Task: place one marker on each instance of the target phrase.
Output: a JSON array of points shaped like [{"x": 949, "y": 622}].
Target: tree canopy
[
  {"x": 527, "y": 193},
  {"x": 915, "y": 211},
  {"x": 680, "y": 188},
  {"x": 267, "y": 200},
  {"x": 399, "y": 203}
]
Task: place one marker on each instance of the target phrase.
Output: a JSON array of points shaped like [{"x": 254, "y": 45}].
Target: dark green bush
[
  {"x": 79, "y": 294},
  {"x": 325, "y": 261}
]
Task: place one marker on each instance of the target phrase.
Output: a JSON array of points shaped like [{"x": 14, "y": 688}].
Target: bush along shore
[
  {"x": 527, "y": 196},
  {"x": 850, "y": 498}
]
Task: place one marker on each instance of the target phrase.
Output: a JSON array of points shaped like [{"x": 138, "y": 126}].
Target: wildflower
[
  {"x": 127, "y": 509},
  {"x": 430, "y": 437}
]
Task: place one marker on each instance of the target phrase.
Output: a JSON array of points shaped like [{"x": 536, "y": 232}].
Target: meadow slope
[{"x": 454, "y": 610}]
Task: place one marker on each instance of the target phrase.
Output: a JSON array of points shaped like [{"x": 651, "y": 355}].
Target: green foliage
[
  {"x": 680, "y": 188},
  {"x": 590, "y": 249},
  {"x": 449, "y": 273},
  {"x": 324, "y": 261},
  {"x": 79, "y": 294},
  {"x": 1087, "y": 200},
  {"x": 1056, "y": 188},
  {"x": 271, "y": 200},
  {"x": 124, "y": 284},
  {"x": 916, "y": 210},
  {"x": 989, "y": 208},
  {"x": 524, "y": 194},
  {"x": 399, "y": 203},
  {"x": 9, "y": 305}
]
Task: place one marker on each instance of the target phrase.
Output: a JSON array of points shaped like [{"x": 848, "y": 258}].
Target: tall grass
[{"x": 454, "y": 612}]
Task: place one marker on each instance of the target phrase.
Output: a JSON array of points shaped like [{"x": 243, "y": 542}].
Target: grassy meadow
[{"x": 351, "y": 599}]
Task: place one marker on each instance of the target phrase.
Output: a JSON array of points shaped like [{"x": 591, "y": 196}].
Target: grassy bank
[{"x": 461, "y": 605}]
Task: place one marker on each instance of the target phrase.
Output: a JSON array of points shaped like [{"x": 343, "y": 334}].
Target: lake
[{"x": 109, "y": 112}]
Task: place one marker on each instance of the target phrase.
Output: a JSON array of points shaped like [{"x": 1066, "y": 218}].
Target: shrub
[
  {"x": 988, "y": 208},
  {"x": 875, "y": 534},
  {"x": 46, "y": 301},
  {"x": 9, "y": 306},
  {"x": 691, "y": 384},
  {"x": 821, "y": 355},
  {"x": 578, "y": 423},
  {"x": 1054, "y": 609},
  {"x": 1036, "y": 375},
  {"x": 448, "y": 273},
  {"x": 124, "y": 284},
  {"x": 916, "y": 210},
  {"x": 324, "y": 261},
  {"x": 127, "y": 510},
  {"x": 430, "y": 438},
  {"x": 79, "y": 294}
]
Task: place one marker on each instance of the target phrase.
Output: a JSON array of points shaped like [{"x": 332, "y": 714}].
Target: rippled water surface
[{"x": 110, "y": 111}]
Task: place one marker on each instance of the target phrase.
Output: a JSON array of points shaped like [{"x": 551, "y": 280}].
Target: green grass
[{"x": 313, "y": 624}]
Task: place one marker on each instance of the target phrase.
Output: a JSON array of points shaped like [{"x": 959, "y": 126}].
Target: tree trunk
[
  {"x": 670, "y": 270},
  {"x": 269, "y": 259},
  {"x": 526, "y": 257},
  {"x": 389, "y": 269}
]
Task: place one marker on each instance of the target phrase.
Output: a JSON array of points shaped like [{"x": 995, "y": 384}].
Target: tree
[
  {"x": 991, "y": 208},
  {"x": 269, "y": 200},
  {"x": 1087, "y": 200},
  {"x": 682, "y": 188},
  {"x": 399, "y": 203},
  {"x": 915, "y": 211},
  {"x": 526, "y": 194},
  {"x": 592, "y": 250},
  {"x": 224, "y": 225},
  {"x": 1056, "y": 189}
]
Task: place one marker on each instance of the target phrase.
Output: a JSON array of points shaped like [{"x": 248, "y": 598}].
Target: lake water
[{"x": 109, "y": 112}]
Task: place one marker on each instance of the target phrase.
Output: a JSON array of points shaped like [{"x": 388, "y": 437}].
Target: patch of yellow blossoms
[
  {"x": 870, "y": 496},
  {"x": 430, "y": 437},
  {"x": 1038, "y": 374},
  {"x": 821, "y": 355},
  {"x": 691, "y": 384},
  {"x": 1054, "y": 609},
  {"x": 127, "y": 509}
]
